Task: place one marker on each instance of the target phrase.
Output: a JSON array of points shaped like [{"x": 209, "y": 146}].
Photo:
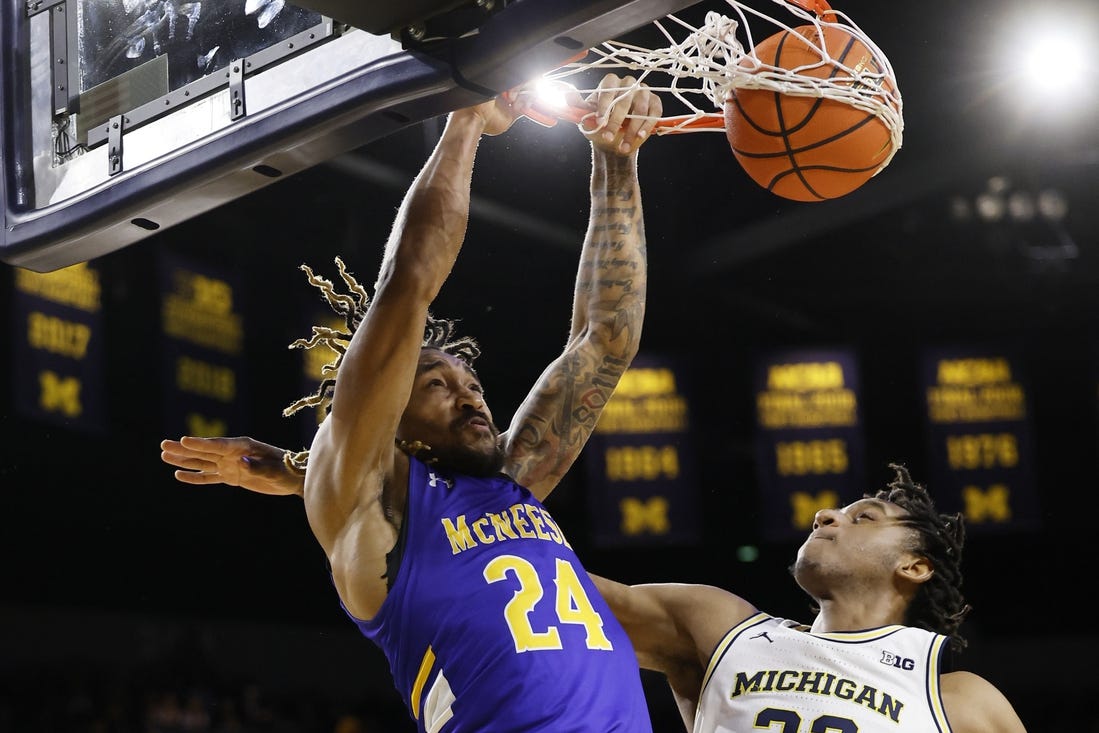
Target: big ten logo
[
  {"x": 991, "y": 504},
  {"x": 59, "y": 394},
  {"x": 642, "y": 463},
  {"x": 983, "y": 450},
  {"x": 804, "y": 506},
  {"x": 644, "y": 515},
  {"x": 892, "y": 660},
  {"x": 815, "y": 457},
  {"x": 58, "y": 336},
  {"x": 205, "y": 427},
  {"x": 207, "y": 380}
]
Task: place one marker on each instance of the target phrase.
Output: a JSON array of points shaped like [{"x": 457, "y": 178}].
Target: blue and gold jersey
[{"x": 492, "y": 623}]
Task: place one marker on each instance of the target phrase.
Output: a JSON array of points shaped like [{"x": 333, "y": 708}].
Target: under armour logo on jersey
[
  {"x": 434, "y": 480},
  {"x": 765, "y": 636},
  {"x": 893, "y": 660}
]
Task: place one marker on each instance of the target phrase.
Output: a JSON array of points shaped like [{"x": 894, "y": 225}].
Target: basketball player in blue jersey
[{"x": 440, "y": 548}]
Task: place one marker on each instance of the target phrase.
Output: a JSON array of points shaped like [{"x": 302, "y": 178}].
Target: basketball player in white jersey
[{"x": 884, "y": 574}]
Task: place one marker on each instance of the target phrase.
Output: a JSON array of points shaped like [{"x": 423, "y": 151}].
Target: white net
[{"x": 701, "y": 65}]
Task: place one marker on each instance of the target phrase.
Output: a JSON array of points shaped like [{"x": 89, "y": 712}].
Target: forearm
[
  {"x": 554, "y": 422},
  {"x": 431, "y": 223},
  {"x": 609, "y": 298},
  {"x": 419, "y": 255}
]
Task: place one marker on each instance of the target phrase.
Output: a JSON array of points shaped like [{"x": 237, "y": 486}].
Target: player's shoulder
[{"x": 975, "y": 705}]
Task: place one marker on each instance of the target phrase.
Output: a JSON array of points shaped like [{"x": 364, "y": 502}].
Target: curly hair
[
  {"x": 352, "y": 307},
  {"x": 939, "y": 605}
]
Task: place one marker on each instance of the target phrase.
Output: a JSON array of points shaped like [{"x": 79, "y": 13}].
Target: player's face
[
  {"x": 447, "y": 411},
  {"x": 859, "y": 546}
]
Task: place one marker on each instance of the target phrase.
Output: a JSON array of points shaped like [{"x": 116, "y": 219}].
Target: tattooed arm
[{"x": 557, "y": 417}]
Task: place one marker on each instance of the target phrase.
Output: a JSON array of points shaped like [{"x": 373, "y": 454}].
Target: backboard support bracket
[
  {"x": 237, "y": 106},
  {"x": 59, "y": 55},
  {"x": 34, "y": 7},
  {"x": 114, "y": 144},
  {"x": 155, "y": 109}
]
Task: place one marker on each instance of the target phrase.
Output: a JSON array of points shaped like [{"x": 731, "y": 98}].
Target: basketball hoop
[{"x": 704, "y": 67}]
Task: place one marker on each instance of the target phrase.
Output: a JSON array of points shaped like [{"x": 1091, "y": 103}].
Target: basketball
[{"x": 808, "y": 148}]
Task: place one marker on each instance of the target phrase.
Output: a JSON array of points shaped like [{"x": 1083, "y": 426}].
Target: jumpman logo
[{"x": 764, "y": 635}]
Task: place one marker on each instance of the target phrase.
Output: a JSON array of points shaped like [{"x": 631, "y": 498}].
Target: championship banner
[
  {"x": 809, "y": 437},
  {"x": 640, "y": 460},
  {"x": 203, "y": 355},
  {"x": 979, "y": 438},
  {"x": 58, "y": 355}
]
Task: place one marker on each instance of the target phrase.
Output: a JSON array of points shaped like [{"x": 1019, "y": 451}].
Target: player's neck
[{"x": 847, "y": 614}]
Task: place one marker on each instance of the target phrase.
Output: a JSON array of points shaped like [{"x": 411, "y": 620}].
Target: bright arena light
[
  {"x": 551, "y": 94},
  {"x": 1055, "y": 63}
]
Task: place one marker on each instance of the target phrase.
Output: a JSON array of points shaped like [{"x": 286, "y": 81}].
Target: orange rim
[
  {"x": 690, "y": 123},
  {"x": 820, "y": 7}
]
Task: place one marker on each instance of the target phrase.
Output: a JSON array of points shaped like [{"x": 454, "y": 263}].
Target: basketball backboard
[{"x": 119, "y": 118}]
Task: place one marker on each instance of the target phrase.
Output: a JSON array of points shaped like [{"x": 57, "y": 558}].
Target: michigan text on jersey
[{"x": 817, "y": 683}]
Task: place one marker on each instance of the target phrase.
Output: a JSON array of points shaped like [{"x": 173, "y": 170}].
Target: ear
[{"x": 916, "y": 568}]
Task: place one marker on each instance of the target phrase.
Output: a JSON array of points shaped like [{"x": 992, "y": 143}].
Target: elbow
[{"x": 618, "y": 336}]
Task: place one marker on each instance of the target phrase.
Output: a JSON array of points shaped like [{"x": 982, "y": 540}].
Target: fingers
[
  {"x": 628, "y": 112},
  {"x": 645, "y": 110},
  {"x": 206, "y": 445},
  {"x": 198, "y": 466},
  {"x": 610, "y": 105},
  {"x": 197, "y": 479},
  {"x": 191, "y": 463}
]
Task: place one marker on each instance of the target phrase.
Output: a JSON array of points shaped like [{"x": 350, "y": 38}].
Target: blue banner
[
  {"x": 979, "y": 437},
  {"x": 203, "y": 354},
  {"x": 809, "y": 437},
  {"x": 640, "y": 460},
  {"x": 58, "y": 350}
]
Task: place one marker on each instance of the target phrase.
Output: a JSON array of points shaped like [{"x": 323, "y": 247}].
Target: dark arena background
[{"x": 944, "y": 316}]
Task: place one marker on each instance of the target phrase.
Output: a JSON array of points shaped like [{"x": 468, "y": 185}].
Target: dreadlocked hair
[
  {"x": 939, "y": 605},
  {"x": 352, "y": 306}
]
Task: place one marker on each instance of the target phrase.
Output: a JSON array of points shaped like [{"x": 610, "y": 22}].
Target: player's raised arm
[
  {"x": 351, "y": 491},
  {"x": 555, "y": 420}
]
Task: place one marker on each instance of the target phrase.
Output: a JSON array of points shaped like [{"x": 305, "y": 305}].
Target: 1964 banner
[{"x": 641, "y": 462}]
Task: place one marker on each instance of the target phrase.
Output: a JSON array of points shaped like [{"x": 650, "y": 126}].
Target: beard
[{"x": 469, "y": 461}]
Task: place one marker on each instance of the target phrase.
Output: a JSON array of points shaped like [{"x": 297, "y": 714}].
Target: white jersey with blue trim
[{"x": 774, "y": 674}]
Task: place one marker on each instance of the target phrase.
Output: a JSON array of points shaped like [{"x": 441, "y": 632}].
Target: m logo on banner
[
  {"x": 639, "y": 516},
  {"x": 59, "y": 394},
  {"x": 199, "y": 425},
  {"x": 993, "y": 504},
  {"x": 805, "y": 506}
]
